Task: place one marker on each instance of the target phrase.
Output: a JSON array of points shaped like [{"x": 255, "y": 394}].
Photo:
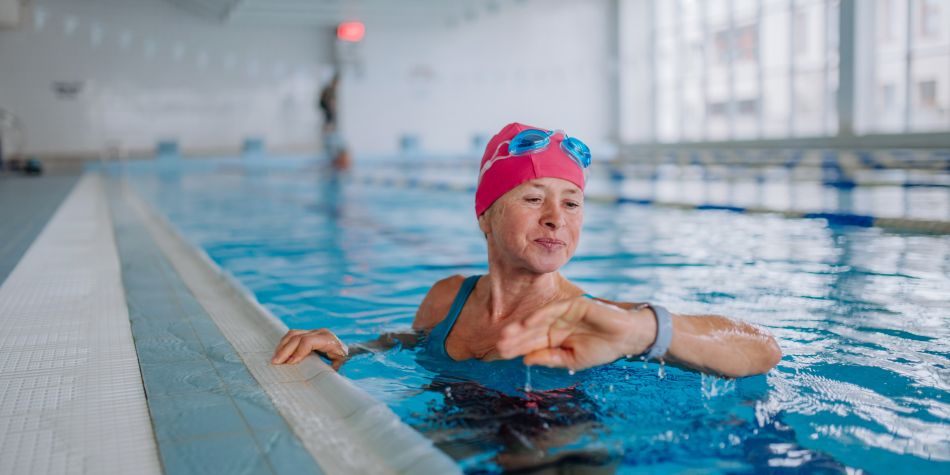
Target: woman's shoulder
[{"x": 435, "y": 306}]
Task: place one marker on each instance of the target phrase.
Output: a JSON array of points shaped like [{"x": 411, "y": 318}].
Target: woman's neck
[{"x": 516, "y": 294}]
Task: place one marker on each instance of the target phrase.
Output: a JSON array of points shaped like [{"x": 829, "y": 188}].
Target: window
[
  {"x": 801, "y": 33},
  {"x": 902, "y": 76},
  {"x": 927, "y": 91},
  {"x": 722, "y": 70},
  {"x": 747, "y": 43},
  {"x": 717, "y": 109},
  {"x": 929, "y": 20},
  {"x": 748, "y": 107},
  {"x": 886, "y": 18},
  {"x": 737, "y": 44},
  {"x": 887, "y": 96},
  {"x": 766, "y": 72}
]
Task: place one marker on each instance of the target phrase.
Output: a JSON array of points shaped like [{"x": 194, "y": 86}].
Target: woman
[{"x": 530, "y": 206}]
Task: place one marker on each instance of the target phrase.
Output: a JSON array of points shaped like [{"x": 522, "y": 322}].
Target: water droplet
[
  {"x": 571, "y": 372},
  {"x": 527, "y": 379},
  {"x": 629, "y": 356},
  {"x": 662, "y": 372},
  {"x": 610, "y": 388}
]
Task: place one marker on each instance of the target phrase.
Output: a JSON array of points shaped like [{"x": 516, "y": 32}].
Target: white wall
[
  {"x": 151, "y": 71},
  {"x": 543, "y": 62}
]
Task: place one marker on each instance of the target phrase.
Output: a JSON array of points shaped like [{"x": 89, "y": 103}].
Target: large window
[
  {"x": 724, "y": 70},
  {"x": 905, "y": 58},
  {"x": 744, "y": 69}
]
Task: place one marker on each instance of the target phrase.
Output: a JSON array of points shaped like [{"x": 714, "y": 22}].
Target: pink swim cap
[{"x": 506, "y": 174}]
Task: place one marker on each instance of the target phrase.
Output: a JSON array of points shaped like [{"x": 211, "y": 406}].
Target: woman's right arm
[{"x": 298, "y": 344}]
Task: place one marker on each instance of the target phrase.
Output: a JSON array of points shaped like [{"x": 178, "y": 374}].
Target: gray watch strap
[{"x": 664, "y": 332}]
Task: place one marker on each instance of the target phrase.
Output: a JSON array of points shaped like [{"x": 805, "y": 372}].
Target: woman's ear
[{"x": 484, "y": 222}]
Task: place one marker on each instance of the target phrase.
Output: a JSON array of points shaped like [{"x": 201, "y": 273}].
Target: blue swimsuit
[
  {"x": 508, "y": 376},
  {"x": 435, "y": 343}
]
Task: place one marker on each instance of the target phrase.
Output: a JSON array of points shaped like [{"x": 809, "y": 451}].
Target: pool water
[{"x": 862, "y": 316}]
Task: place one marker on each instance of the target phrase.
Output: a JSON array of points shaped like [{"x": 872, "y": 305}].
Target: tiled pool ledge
[
  {"x": 339, "y": 425},
  {"x": 208, "y": 413},
  {"x": 71, "y": 396}
]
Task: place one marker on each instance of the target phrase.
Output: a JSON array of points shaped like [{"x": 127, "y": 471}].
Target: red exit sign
[{"x": 351, "y": 31}]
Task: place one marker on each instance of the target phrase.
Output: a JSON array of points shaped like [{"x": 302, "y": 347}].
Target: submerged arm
[
  {"x": 298, "y": 344},
  {"x": 386, "y": 341}
]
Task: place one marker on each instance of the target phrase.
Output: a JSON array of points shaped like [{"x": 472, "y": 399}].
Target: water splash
[
  {"x": 527, "y": 379},
  {"x": 662, "y": 371},
  {"x": 714, "y": 386}
]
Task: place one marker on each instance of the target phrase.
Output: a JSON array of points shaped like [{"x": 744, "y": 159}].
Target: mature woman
[{"x": 530, "y": 207}]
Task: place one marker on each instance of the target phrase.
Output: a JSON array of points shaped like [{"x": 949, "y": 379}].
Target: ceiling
[{"x": 319, "y": 13}]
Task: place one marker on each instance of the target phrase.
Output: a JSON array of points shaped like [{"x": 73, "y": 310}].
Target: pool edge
[{"x": 343, "y": 428}]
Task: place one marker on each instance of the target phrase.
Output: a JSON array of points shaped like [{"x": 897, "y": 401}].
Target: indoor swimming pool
[{"x": 862, "y": 315}]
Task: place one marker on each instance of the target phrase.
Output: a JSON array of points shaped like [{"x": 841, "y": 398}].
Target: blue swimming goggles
[{"x": 532, "y": 140}]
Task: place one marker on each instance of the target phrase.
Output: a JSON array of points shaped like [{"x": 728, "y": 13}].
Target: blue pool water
[{"x": 862, "y": 315}]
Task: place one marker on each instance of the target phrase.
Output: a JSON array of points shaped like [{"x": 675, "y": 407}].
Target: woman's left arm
[
  {"x": 720, "y": 345},
  {"x": 580, "y": 333}
]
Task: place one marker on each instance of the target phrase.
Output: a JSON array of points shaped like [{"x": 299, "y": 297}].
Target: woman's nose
[{"x": 552, "y": 217}]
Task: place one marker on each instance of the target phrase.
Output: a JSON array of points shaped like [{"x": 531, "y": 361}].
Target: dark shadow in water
[{"x": 526, "y": 433}]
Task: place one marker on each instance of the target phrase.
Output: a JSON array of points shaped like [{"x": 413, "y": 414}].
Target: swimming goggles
[{"x": 532, "y": 140}]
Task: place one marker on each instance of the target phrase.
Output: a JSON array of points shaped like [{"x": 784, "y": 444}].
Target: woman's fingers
[
  {"x": 552, "y": 358},
  {"x": 298, "y": 344},
  {"x": 517, "y": 340},
  {"x": 285, "y": 349},
  {"x": 545, "y": 328},
  {"x": 324, "y": 342},
  {"x": 307, "y": 345},
  {"x": 283, "y": 341},
  {"x": 290, "y": 334}
]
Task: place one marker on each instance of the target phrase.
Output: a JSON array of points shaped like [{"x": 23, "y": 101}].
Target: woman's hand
[
  {"x": 578, "y": 333},
  {"x": 298, "y": 344}
]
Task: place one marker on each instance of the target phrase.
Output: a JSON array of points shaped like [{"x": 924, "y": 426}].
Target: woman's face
[{"x": 537, "y": 225}]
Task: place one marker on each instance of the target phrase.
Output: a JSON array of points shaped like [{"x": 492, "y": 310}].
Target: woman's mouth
[{"x": 550, "y": 243}]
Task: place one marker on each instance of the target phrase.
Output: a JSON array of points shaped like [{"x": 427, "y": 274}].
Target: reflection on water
[{"x": 862, "y": 315}]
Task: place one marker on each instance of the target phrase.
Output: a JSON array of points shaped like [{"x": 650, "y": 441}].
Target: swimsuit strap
[{"x": 440, "y": 332}]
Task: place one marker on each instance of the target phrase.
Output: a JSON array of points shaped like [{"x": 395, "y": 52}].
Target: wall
[
  {"x": 543, "y": 62},
  {"x": 148, "y": 71}
]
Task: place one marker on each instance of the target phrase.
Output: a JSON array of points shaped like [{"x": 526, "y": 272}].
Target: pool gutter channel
[{"x": 341, "y": 426}]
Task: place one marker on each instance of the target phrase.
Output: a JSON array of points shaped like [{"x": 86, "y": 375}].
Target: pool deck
[{"x": 123, "y": 349}]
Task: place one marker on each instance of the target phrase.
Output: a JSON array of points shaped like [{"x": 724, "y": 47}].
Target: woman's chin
[{"x": 549, "y": 264}]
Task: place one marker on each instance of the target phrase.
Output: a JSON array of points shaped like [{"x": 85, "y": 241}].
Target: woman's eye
[
  {"x": 572, "y": 204},
  {"x": 533, "y": 199}
]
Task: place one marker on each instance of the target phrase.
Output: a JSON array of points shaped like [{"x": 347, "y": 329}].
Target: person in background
[{"x": 332, "y": 141}]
